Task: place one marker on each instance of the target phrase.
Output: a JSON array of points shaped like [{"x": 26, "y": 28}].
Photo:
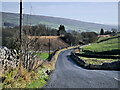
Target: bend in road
[{"x": 69, "y": 75}]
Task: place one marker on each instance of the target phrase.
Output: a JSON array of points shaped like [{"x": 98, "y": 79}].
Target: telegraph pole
[
  {"x": 49, "y": 49},
  {"x": 20, "y": 25}
]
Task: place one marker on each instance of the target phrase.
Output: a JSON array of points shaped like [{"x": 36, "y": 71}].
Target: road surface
[{"x": 69, "y": 75}]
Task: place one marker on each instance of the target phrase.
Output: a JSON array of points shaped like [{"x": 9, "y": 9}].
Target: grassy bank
[
  {"x": 25, "y": 79},
  {"x": 104, "y": 46}
]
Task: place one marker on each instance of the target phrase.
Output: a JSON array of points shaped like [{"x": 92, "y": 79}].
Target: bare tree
[{"x": 28, "y": 48}]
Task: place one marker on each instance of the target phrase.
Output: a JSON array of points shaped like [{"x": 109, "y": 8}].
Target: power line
[{"x": 30, "y": 13}]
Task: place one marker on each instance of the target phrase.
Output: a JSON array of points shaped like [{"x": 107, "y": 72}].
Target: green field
[
  {"x": 44, "y": 55},
  {"x": 97, "y": 61},
  {"x": 108, "y": 46}
]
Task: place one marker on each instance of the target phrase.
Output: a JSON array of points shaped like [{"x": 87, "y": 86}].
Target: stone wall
[
  {"x": 98, "y": 56},
  {"x": 8, "y": 58},
  {"x": 105, "y": 66}
]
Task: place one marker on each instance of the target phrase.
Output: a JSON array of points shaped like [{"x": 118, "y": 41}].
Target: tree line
[
  {"x": 10, "y": 36},
  {"x": 112, "y": 32}
]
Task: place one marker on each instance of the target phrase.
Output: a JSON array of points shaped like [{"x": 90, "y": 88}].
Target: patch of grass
[
  {"x": 97, "y": 61},
  {"x": 44, "y": 55},
  {"x": 36, "y": 84},
  {"x": 1, "y": 85}
]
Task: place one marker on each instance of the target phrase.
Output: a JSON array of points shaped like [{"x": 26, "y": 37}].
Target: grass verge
[
  {"x": 25, "y": 79},
  {"x": 40, "y": 81}
]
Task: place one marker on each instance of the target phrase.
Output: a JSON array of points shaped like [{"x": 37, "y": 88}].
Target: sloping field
[
  {"x": 55, "y": 42},
  {"x": 104, "y": 46}
]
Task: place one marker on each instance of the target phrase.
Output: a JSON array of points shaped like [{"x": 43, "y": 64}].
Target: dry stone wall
[
  {"x": 8, "y": 57},
  {"x": 105, "y": 66}
]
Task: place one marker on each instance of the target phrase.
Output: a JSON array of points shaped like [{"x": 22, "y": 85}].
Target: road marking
[{"x": 116, "y": 79}]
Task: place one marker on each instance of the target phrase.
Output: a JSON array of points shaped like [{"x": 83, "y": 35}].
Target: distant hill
[{"x": 12, "y": 19}]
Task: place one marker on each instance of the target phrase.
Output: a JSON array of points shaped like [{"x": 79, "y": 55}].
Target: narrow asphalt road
[{"x": 69, "y": 75}]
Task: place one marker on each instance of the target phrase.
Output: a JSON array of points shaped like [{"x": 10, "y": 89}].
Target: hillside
[
  {"x": 107, "y": 45},
  {"x": 12, "y": 19},
  {"x": 55, "y": 42}
]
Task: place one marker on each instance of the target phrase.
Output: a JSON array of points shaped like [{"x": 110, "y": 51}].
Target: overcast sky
[{"x": 96, "y": 12}]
